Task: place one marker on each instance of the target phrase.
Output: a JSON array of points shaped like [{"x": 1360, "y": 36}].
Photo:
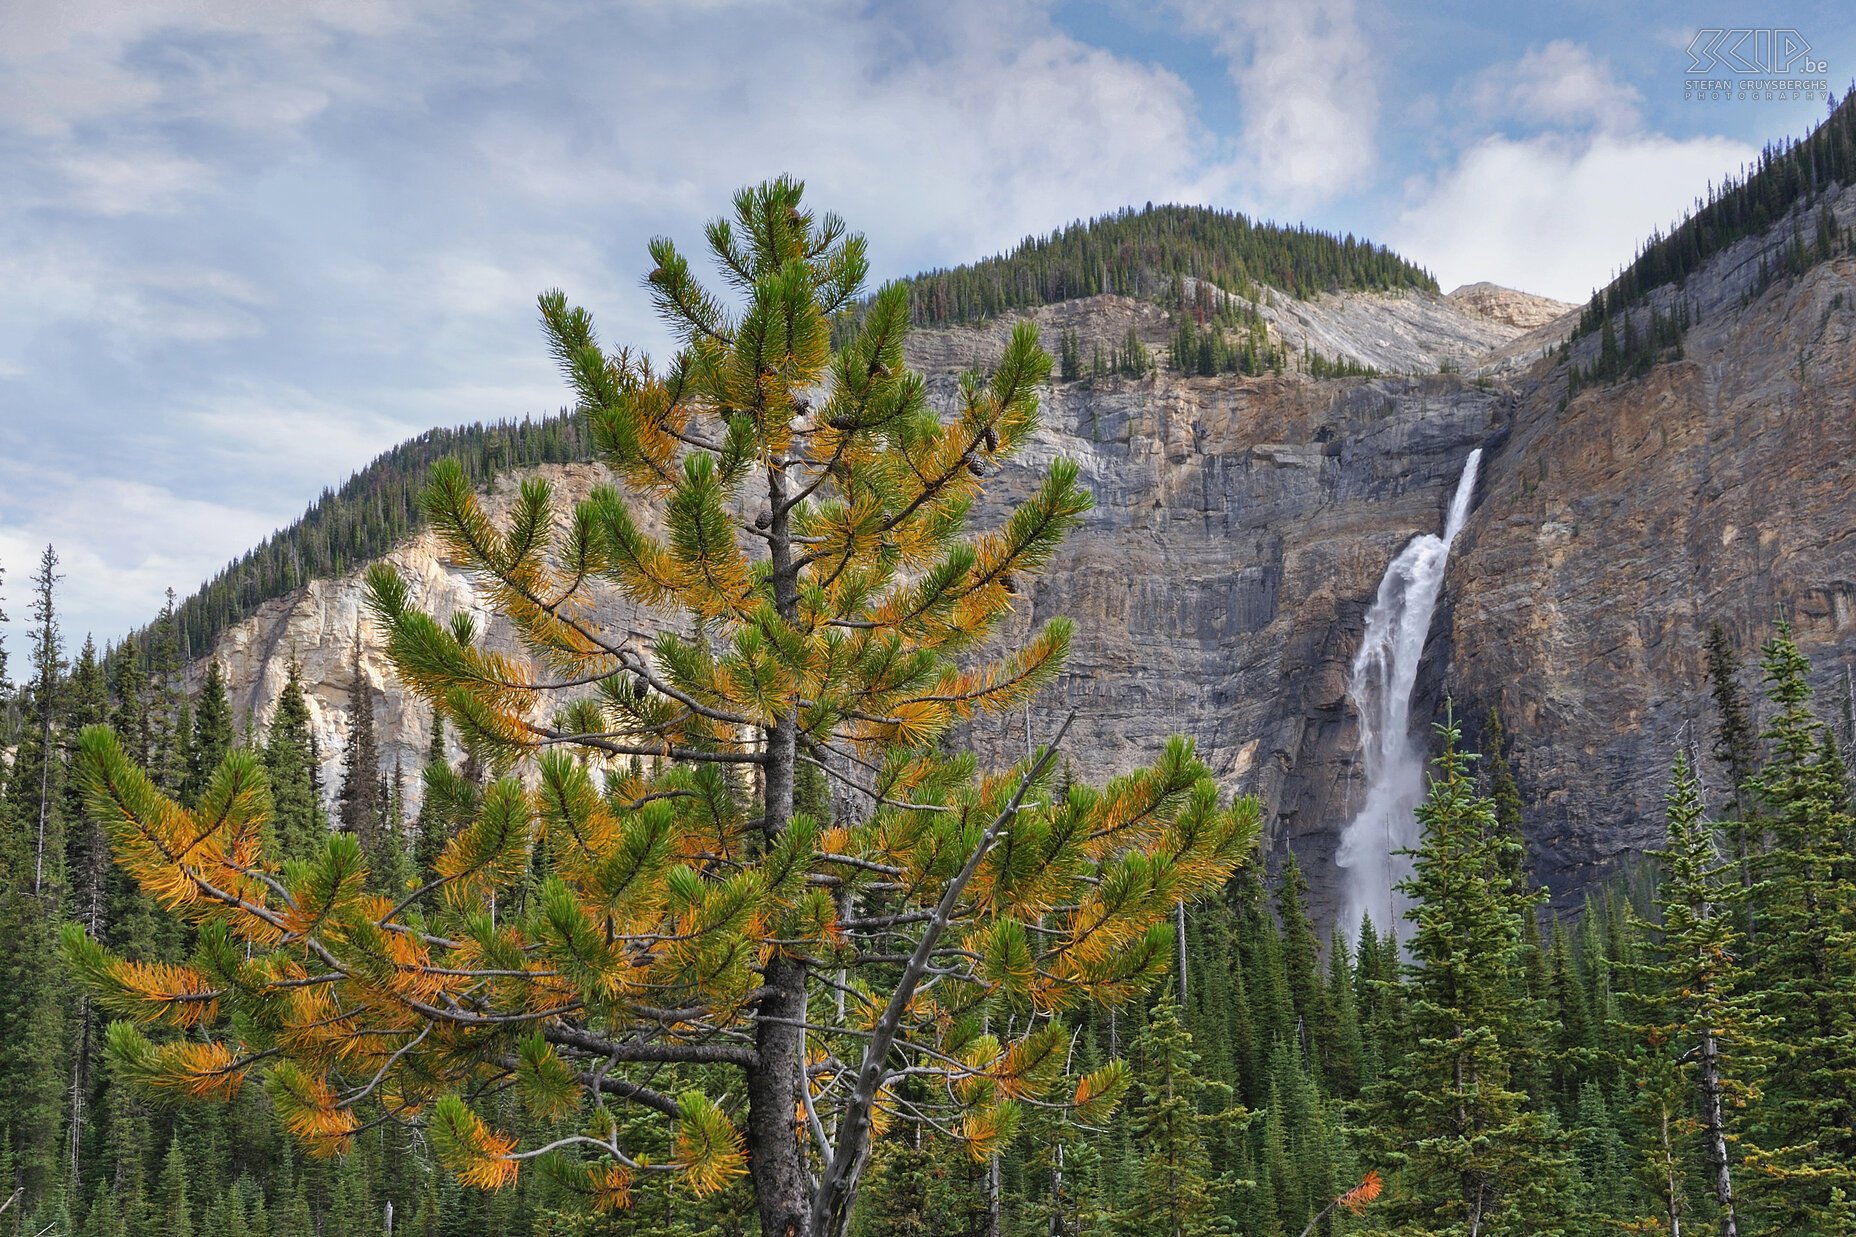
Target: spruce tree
[
  {"x": 432, "y": 830},
  {"x": 169, "y": 717},
  {"x": 173, "y": 1213},
  {"x": 1474, "y": 1156},
  {"x": 33, "y": 994},
  {"x": 298, "y": 822},
  {"x": 1346, "y": 1041},
  {"x": 212, "y": 730},
  {"x": 1301, "y": 960},
  {"x": 1736, "y": 743},
  {"x": 1172, "y": 1194},
  {"x": 1805, "y": 955},
  {"x": 1701, "y": 1041},
  {"x": 33, "y": 783},
  {"x": 360, "y": 810}
]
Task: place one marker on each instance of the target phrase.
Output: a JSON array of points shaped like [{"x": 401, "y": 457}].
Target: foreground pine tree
[{"x": 707, "y": 980}]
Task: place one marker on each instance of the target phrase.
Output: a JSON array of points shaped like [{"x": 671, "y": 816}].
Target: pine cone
[{"x": 992, "y": 439}]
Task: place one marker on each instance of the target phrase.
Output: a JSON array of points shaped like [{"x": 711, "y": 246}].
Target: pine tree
[
  {"x": 1736, "y": 743},
  {"x": 832, "y": 610},
  {"x": 1805, "y": 960},
  {"x": 298, "y": 822},
  {"x": 1172, "y": 1189},
  {"x": 1473, "y": 1154},
  {"x": 1701, "y": 1040},
  {"x": 212, "y": 731},
  {"x": 173, "y": 1211},
  {"x": 360, "y": 809}
]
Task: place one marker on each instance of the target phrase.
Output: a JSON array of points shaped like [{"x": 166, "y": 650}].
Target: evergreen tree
[
  {"x": 1071, "y": 367},
  {"x": 103, "y": 1219},
  {"x": 169, "y": 717},
  {"x": 1505, "y": 795},
  {"x": 1346, "y": 1043},
  {"x": 1301, "y": 960},
  {"x": 298, "y": 822},
  {"x": 1474, "y": 1158},
  {"x": 691, "y": 923},
  {"x": 212, "y": 730},
  {"x": 431, "y": 828},
  {"x": 1701, "y": 1040},
  {"x": 1805, "y": 960},
  {"x": 34, "y": 780},
  {"x": 1736, "y": 745},
  {"x": 360, "y": 808},
  {"x": 1172, "y": 1189},
  {"x": 32, "y": 988},
  {"x": 173, "y": 1211}
]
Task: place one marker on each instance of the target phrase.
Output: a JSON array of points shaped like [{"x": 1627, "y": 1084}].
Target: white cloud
[
  {"x": 1310, "y": 104},
  {"x": 122, "y": 544},
  {"x": 63, "y": 64},
  {"x": 1560, "y": 195},
  {"x": 1556, "y": 214},
  {"x": 132, "y": 305},
  {"x": 1560, "y": 85},
  {"x": 127, "y": 182}
]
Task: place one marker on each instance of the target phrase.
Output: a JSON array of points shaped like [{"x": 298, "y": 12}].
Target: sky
[{"x": 246, "y": 247}]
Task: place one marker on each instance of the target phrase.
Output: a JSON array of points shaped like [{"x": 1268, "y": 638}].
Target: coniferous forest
[
  {"x": 355, "y": 523},
  {"x": 738, "y": 940},
  {"x": 1679, "y": 1049},
  {"x": 1143, "y": 253}
]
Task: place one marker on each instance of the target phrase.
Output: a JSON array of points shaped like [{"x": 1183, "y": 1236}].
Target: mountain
[
  {"x": 1145, "y": 252},
  {"x": 1681, "y": 453}
]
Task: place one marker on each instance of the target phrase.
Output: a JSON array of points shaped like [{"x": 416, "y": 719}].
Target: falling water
[{"x": 1383, "y": 673}]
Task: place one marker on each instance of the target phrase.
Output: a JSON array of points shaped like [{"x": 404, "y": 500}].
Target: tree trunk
[
  {"x": 776, "y": 1157},
  {"x": 1715, "y": 1124},
  {"x": 994, "y": 1220},
  {"x": 1179, "y": 944},
  {"x": 776, "y": 1160}
]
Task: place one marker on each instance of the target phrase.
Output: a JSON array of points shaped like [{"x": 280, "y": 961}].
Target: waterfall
[{"x": 1384, "y": 671}]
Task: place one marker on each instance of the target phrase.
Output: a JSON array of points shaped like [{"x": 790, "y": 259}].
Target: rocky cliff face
[
  {"x": 1242, "y": 526},
  {"x": 319, "y": 624},
  {"x": 1614, "y": 530}
]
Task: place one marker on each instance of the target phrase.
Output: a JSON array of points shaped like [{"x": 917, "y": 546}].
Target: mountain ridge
[{"x": 1243, "y": 522}]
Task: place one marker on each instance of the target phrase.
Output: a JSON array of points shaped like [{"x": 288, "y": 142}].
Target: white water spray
[{"x": 1384, "y": 671}]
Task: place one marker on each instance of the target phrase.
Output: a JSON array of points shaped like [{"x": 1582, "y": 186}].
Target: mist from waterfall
[{"x": 1384, "y": 671}]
